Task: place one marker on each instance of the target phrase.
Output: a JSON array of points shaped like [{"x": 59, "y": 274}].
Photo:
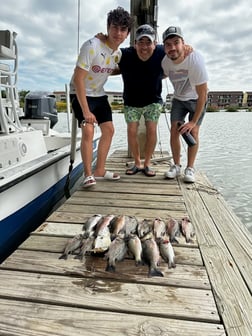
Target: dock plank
[
  {"x": 207, "y": 294},
  {"x": 232, "y": 294},
  {"x": 114, "y": 296},
  {"x": 187, "y": 254},
  {"x": 127, "y": 210},
  {"x": 80, "y": 194},
  {"x": 29, "y": 319},
  {"x": 186, "y": 274},
  {"x": 126, "y": 203}
]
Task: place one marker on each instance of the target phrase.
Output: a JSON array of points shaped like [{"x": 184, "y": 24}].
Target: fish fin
[{"x": 174, "y": 240}]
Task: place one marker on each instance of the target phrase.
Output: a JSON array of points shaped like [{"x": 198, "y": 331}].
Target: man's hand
[
  {"x": 90, "y": 118},
  {"x": 102, "y": 37},
  {"x": 187, "y": 49}
]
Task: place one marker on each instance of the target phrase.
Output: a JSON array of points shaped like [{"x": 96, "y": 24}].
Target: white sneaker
[
  {"x": 189, "y": 175},
  {"x": 173, "y": 172}
]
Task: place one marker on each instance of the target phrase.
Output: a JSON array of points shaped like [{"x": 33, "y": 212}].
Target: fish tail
[
  {"x": 110, "y": 268},
  {"x": 172, "y": 264},
  {"x": 139, "y": 262},
  {"x": 63, "y": 256},
  {"x": 155, "y": 272}
]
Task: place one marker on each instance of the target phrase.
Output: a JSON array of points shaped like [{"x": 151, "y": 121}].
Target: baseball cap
[
  {"x": 145, "y": 31},
  {"x": 172, "y": 31}
]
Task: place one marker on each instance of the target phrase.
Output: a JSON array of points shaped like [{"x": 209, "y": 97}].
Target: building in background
[
  {"x": 225, "y": 98},
  {"x": 218, "y": 99}
]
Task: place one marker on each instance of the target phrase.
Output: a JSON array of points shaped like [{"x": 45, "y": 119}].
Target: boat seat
[{"x": 7, "y": 47}]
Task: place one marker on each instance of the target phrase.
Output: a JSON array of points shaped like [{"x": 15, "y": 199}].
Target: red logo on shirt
[{"x": 97, "y": 68}]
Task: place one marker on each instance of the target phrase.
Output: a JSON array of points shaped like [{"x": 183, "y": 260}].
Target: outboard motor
[{"x": 41, "y": 105}]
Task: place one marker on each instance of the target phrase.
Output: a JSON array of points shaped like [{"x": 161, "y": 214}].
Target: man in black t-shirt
[{"x": 142, "y": 75}]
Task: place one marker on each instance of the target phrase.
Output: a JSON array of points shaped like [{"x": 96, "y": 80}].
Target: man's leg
[
  {"x": 193, "y": 150},
  {"x": 175, "y": 143},
  {"x": 133, "y": 142},
  {"x": 151, "y": 140},
  {"x": 151, "y": 115},
  {"x": 107, "y": 132},
  {"x": 87, "y": 148},
  {"x": 132, "y": 116}
]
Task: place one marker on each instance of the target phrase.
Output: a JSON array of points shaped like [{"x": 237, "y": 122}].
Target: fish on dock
[
  {"x": 131, "y": 224},
  {"x": 102, "y": 241},
  {"x": 173, "y": 229},
  {"x": 117, "y": 251},
  {"x": 72, "y": 245},
  {"x": 86, "y": 246},
  {"x": 117, "y": 225},
  {"x": 90, "y": 224},
  {"x": 102, "y": 223},
  {"x": 167, "y": 252},
  {"x": 135, "y": 247},
  {"x": 151, "y": 256},
  {"x": 187, "y": 229},
  {"x": 144, "y": 227},
  {"x": 159, "y": 228},
  {"x": 102, "y": 234}
]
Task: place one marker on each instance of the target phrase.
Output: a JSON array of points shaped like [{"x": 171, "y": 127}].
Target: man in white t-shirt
[
  {"x": 95, "y": 63},
  {"x": 189, "y": 78}
]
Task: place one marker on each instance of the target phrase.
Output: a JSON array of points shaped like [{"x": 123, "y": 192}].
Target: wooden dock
[{"x": 207, "y": 294}]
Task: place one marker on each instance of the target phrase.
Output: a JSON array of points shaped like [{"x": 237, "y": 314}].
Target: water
[{"x": 225, "y": 154}]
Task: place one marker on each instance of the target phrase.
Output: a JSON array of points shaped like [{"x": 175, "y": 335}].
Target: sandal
[
  {"x": 108, "y": 176},
  {"x": 133, "y": 170},
  {"x": 148, "y": 172},
  {"x": 89, "y": 181}
]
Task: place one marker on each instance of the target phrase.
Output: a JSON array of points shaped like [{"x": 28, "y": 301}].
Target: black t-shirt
[{"x": 142, "y": 79}]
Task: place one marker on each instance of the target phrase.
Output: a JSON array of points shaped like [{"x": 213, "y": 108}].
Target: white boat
[{"x": 38, "y": 166}]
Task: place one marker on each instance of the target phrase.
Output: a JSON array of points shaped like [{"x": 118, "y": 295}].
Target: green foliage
[
  {"x": 232, "y": 108},
  {"x": 212, "y": 108},
  {"x": 22, "y": 95},
  {"x": 61, "y": 106}
]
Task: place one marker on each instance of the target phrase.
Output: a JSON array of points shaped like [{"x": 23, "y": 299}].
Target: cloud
[{"x": 48, "y": 38}]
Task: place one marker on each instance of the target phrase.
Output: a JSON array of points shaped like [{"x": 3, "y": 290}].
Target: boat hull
[{"x": 28, "y": 202}]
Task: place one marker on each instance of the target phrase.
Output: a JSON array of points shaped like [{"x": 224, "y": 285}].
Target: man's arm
[
  {"x": 80, "y": 88},
  {"x": 201, "y": 101},
  {"x": 116, "y": 71}
]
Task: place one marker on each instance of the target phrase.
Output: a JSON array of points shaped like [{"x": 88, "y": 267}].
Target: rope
[
  {"x": 74, "y": 122},
  {"x": 78, "y": 28},
  {"x": 72, "y": 155},
  {"x": 159, "y": 142}
]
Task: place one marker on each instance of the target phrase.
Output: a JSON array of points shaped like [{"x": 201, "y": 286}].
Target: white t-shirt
[
  {"x": 100, "y": 61},
  {"x": 186, "y": 75}
]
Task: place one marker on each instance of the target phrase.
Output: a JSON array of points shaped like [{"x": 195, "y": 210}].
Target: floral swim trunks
[{"x": 150, "y": 112}]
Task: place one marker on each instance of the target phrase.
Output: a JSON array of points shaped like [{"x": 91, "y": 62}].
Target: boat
[{"x": 38, "y": 165}]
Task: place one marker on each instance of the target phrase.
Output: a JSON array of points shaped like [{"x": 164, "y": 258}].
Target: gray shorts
[{"x": 180, "y": 109}]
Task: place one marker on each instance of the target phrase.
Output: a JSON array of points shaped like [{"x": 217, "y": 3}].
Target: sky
[{"x": 49, "y": 37}]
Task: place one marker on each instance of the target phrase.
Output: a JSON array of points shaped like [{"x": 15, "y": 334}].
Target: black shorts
[{"x": 99, "y": 106}]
